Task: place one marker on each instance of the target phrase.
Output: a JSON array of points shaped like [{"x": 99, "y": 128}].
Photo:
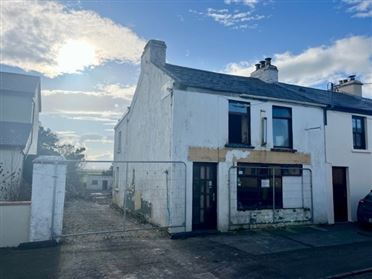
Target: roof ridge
[{"x": 208, "y": 71}]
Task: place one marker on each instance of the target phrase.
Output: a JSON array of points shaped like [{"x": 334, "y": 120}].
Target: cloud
[
  {"x": 114, "y": 90},
  {"x": 317, "y": 65},
  {"x": 249, "y": 3},
  {"x": 53, "y": 39},
  {"x": 235, "y": 19},
  {"x": 359, "y": 8}
]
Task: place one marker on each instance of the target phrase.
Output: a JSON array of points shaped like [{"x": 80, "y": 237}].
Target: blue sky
[{"x": 87, "y": 52}]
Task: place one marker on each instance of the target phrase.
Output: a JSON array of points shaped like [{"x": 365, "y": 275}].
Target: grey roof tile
[{"x": 222, "y": 83}]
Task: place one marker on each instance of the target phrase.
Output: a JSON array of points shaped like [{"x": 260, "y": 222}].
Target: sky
[{"x": 87, "y": 53}]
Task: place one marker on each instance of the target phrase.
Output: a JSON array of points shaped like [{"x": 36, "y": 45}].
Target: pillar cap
[{"x": 50, "y": 160}]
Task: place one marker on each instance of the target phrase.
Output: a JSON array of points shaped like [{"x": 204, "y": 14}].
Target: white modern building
[
  {"x": 97, "y": 181},
  {"x": 20, "y": 105},
  {"x": 241, "y": 138}
]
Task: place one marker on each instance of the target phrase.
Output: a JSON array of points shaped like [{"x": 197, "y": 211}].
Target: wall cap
[{"x": 50, "y": 160}]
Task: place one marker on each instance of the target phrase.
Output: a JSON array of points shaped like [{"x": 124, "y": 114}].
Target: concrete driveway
[{"x": 293, "y": 252}]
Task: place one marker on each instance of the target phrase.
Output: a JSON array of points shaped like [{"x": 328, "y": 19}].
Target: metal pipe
[
  {"x": 185, "y": 195},
  {"x": 311, "y": 193},
  {"x": 54, "y": 200},
  {"x": 273, "y": 195},
  {"x": 125, "y": 196}
]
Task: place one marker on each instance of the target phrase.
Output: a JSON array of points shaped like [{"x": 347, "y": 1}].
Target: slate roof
[
  {"x": 14, "y": 134},
  {"x": 335, "y": 100},
  {"x": 223, "y": 83},
  {"x": 25, "y": 84}
]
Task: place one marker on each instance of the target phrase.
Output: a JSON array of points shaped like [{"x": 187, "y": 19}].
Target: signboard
[{"x": 265, "y": 183}]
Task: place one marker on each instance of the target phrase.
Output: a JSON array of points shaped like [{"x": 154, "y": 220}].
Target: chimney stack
[
  {"x": 265, "y": 71},
  {"x": 154, "y": 52},
  {"x": 350, "y": 86}
]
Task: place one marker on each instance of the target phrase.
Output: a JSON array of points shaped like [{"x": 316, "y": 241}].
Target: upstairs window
[
  {"x": 282, "y": 127},
  {"x": 119, "y": 142},
  {"x": 359, "y": 133},
  {"x": 239, "y": 123}
]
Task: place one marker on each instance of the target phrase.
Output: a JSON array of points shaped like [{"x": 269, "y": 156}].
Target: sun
[{"x": 74, "y": 56}]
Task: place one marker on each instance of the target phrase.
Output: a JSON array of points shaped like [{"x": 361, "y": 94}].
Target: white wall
[
  {"x": 48, "y": 196},
  {"x": 201, "y": 120},
  {"x": 99, "y": 186},
  {"x": 340, "y": 153},
  {"x": 14, "y": 223},
  {"x": 146, "y": 135}
]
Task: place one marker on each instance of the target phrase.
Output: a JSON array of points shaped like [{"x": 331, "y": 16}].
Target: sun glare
[{"x": 74, "y": 56}]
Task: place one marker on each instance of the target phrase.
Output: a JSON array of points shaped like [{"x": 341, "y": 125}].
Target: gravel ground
[{"x": 84, "y": 216}]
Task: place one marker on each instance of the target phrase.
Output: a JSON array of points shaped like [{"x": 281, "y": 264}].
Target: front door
[
  {"x": 204, "y": 205},
  {"x": 339, "y": 194}
]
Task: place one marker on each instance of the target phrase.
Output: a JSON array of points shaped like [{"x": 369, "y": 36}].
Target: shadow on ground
[{"x": 292, "y": 252}]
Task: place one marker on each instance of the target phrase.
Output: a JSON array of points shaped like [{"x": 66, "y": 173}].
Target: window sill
[
  {"x": 361, "y": 151},
  {"x": 278, "y": 149},
  {"x": 239, "y": 145}
]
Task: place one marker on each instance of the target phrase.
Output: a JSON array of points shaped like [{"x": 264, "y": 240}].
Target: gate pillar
[{"x": 47, "y": 199}]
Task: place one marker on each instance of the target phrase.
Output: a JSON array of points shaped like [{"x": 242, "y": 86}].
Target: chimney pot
[
  {"x": 352, "y": 77},
  {"x": 262, "y": 62},
  {"x": 257, "y": 66},
  {"x": 345, "y": 80},
  {"x": 268, "y": 61},
  {"x": 340, "y": 81}
]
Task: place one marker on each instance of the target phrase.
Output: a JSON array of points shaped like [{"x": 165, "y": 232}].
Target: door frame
[
  {"x": 215, "y": 178},
  {"x": 347, "y": 203}
]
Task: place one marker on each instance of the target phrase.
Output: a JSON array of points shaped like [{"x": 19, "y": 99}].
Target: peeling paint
[
  {"x": 235, "y": 155},
  {"x": 205, "y": 154}
]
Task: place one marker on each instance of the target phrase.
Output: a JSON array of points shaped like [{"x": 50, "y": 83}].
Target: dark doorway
[
  {"x": 339, "y": 194},
  {"x": 104, "y": 185},
  {"x": 204, "y": 203}
]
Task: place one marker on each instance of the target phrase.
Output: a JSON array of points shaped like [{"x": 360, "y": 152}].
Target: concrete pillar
[{"x": 48, "y": 196}]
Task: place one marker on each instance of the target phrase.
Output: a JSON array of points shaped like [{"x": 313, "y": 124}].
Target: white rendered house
[
  {"x": 227, "y": 129},
  {"x": 20, "y": 105}
]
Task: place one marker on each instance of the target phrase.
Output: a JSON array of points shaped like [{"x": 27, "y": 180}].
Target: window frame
[
  {"x": 264, "y": 171},
  {"x": 248, "y": 114},
  {"x": 362, "y": 133},
  {"x": 290, "y": 127}
]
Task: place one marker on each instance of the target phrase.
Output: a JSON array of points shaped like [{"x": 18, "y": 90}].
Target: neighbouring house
[
  {"x": 256, "y": 150},
  {"x": 20, "y": 105},
  {"x": 94, "y": 181}
]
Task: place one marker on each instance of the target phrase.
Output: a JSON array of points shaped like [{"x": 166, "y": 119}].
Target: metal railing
[
  {"x": 140, "y": 196},
  {"x": 274, "y": 194}
]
